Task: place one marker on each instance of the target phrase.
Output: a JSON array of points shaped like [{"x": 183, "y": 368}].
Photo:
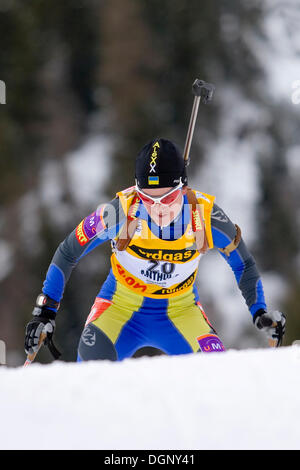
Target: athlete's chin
[{"x": 163, "y": 220}]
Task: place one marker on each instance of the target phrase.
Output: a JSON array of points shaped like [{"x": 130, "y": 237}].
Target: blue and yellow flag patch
[{"x": 153, "y": 180}]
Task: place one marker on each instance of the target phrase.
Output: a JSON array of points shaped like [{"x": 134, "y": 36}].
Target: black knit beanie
[{"x": 160, "y": 164}]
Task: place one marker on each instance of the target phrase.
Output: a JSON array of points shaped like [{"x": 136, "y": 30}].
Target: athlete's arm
[
  {"x": 240, "y": 260},
  {"x": 98, "y": 227}
]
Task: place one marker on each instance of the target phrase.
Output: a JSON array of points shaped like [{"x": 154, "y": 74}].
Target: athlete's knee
[{"x": 94, "y": 345}]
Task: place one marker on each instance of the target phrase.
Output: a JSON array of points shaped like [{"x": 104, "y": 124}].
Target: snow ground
[{"x": 236, "y": 400}]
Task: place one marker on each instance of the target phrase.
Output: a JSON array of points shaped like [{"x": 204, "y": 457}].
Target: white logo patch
[
  {"x": 88, "y": 337},
  {"x": 219, "y": 215}
]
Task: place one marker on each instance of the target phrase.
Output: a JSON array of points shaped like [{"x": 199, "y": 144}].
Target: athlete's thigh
[
  {"x": 94, "y": 345},
  {"x": 105, "y": 335},
  {"x": 193, "y": 325}
]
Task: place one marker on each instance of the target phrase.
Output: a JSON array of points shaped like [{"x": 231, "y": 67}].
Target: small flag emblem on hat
[{"x": 153, "y": 179}]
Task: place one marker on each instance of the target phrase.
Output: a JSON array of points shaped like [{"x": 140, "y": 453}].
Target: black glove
[
  {"x": 34, "y": 329},
  {"x": 272, "y": 323},
  {"x": 43, "y": 322}
]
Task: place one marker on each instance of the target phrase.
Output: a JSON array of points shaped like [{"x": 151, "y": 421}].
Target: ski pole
[
  {"x": 31, "y": 357},
  {"x": 2, "y": 353},
  {"x": 204, "y": 91},
  {"x": 272, "y": 343},
  {"x": 268, "y": 322}
]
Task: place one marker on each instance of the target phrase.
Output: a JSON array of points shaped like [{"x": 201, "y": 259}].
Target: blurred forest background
[{"x": 88, "y": 82}]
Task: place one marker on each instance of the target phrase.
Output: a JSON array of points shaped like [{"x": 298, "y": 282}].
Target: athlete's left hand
[{"x": 272, "y": 323}]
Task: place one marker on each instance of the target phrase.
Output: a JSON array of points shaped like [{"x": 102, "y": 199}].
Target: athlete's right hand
[{"x": 34, "y": 329}]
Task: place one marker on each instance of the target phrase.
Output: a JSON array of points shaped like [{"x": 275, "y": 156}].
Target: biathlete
[{"x": 159, "y": 229}]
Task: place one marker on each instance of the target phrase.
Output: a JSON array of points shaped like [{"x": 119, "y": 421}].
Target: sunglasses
[{"x": 166, "y": 199}]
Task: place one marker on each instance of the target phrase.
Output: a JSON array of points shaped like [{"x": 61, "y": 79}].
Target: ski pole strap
[
  {"x": 52, "y": 348},
  {"x": 279, "y": 332},
  {"x": 234, "y": 244}
]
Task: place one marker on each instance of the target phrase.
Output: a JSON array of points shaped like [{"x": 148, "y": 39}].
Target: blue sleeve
[
  {"x": 240, "y": 260},
  {"x": 100, "y": 226}
]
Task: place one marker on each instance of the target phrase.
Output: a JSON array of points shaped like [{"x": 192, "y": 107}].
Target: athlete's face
[{"x": 160, "y": 212}]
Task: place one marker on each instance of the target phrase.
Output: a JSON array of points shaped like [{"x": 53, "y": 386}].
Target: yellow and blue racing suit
[{"x": 149, "y": 297}]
